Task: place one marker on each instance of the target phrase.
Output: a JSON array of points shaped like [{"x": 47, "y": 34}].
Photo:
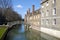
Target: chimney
[
  {"x": 29, "y": 10},
  {"x": 33, "y": 9}
]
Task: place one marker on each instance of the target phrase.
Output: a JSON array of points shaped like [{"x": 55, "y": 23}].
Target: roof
[
  {"x": 35, "y": 13},
  {"x": 43, "y": 1}
]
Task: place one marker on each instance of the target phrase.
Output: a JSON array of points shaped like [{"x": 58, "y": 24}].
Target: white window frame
[
  {"x": 54, "y": 21},
  {"x": 53, "y": 1},
  {"x": 42, "y": 14},
  {"x": 47, "y": 13},
  {"x": 42, "y": 6},
  {"x": 54, "y": 11},
  {"x": 47, "y": 4},
  {"x": 47, "y": 21}
]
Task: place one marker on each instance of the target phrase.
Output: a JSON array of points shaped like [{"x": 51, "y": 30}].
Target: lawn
[{"x": 2, "y": 31}]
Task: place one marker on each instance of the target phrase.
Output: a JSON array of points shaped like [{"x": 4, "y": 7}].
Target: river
[{"x": 18, "y": 33}]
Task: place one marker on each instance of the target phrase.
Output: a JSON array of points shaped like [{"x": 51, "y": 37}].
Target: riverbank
[
  {"x": 51, "y": 32},
  {"x": 3, "y": 30}
]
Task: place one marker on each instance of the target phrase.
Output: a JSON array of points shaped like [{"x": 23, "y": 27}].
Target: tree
[
  {"x": 2, "y": 18},
  {"x": 7, "y": 11},
  {"x": 5, "y": 3},
  {"x": 12, "y": 15}
]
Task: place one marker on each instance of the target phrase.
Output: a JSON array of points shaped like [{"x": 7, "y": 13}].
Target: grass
[{"x": 2, "y": 31}]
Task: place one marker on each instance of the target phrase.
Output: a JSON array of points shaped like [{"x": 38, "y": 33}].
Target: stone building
[
  {"x": 26, "y": 19},
  {"x": 50, "y": 17},
  {"x": 33, "y": 18}
]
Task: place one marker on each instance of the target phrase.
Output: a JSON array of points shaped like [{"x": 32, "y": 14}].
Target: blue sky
[{"x": 21, "y": 6}]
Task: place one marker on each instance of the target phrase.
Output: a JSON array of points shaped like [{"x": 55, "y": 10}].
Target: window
[
  {"x": 54, "y": 11},
  {"x": 47, "y": 13},
  {"x": 54, "y": 22},
  {"x": 42, "y": 21},
  {"x": 42, "y": 14},
  {"x": 54, "y": 1},
  {"x": 42, "y": 6},
  {"x": 47, "y": 21},
  {"x": 47, "y": 4}
]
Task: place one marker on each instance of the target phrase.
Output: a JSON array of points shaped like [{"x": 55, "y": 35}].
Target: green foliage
[{"x": 2, "y": 31}]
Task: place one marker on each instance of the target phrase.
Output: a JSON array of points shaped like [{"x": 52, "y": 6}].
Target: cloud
[{"x": 19, "y": 6}]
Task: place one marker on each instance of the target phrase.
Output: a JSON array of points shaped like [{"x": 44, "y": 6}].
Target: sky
[{"x": 21, "y": 6}]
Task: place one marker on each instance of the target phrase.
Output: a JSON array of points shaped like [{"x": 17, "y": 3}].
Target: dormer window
[
  {"x": 47, "y": 4},
  {"x": 42, "y": 6}
]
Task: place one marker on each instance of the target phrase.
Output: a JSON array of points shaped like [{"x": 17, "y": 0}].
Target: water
[{"x": 18, "y": 33}]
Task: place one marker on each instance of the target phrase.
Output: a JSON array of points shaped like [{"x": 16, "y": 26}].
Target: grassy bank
[{"x": 2, "y": 31}]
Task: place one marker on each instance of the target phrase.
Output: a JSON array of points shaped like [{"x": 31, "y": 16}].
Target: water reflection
[
  {"x": 33, "y": 35},
  {"x": 18, "y": 33}
]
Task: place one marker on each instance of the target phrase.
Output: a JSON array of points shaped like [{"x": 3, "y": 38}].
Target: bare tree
[
  {"x": 7, "y": 11},
  {"x": 12, "y": 15},
  {"x": 5, "y": 3}
]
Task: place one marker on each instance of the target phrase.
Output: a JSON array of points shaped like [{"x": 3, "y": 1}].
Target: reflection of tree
[{"x": 33, "y": 35}]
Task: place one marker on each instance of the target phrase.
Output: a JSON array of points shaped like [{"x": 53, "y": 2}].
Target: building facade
[
  {"x": 50, "y": 17},
  {"x": 26, "y": 19},
  {"x": 33, "y": 18}
]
